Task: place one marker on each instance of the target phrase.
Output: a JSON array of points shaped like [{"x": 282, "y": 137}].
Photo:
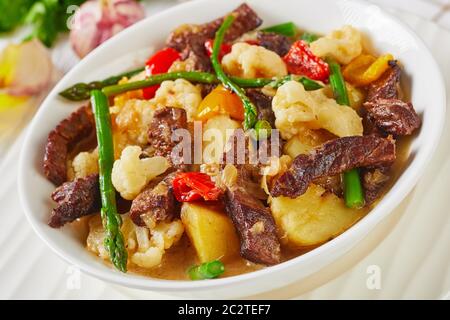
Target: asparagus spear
[
  {"x": 207, "y": 78},
  {"x": 81, "y": 91},
  {"x": 112, "y": 221},
  {"x": 353, "y": 191},
  {"x": 250, "y": 111}
]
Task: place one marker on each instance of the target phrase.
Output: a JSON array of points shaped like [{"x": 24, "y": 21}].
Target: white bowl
[{"x": 131, "y": 47}]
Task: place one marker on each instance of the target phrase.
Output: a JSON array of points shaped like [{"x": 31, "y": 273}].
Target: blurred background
[{"x": 41, "y": 40}]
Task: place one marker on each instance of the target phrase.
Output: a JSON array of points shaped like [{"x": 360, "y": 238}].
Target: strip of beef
[
  {"x": 373, "y": 181},
  {"x": 331, "y": 184},
  {"x": 190, "y": 39},
  {"x": 244, "y": 154},
  {"x": 333, "y": 157},
  {"x": 157, "y": 202},
  {"x": 255, "y": 226},
  {"x": 385, "y": 113},
  {"x": 244, "y": 204},
  {"x": 275, "y": 42},
  {"x": 75, "y": 199},
  {"x": 393, "y": 116},
  {"x": 387, "y": 87},
  {"x": 61, "y": 140},
  {"x": 384, "y": 108},
  {"x": 164, "y": 123}
]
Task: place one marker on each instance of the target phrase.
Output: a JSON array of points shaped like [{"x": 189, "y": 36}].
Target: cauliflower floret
[
  {"x": 85, "y": 163},
  {"x": 295, "y": 108},
  {"x": 96, "y": 238},
  {"x": 179, "y": 94},
  {"x": 145, "y": 246},
  {"x": 249, "y": 61},
  {"x": 131, "y": 174},
  {"x": 343, "y": 45},
  {"x": 153, "y": 244},
  {"x": 133, "y": 120}
]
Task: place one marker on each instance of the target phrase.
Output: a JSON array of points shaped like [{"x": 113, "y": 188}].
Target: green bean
[
  {"x": 287, "y": 29},
  {"x": 112, "y": 221},
  {"x": 81, "y": 91},
  {"x": 353, "y": 191},
  {"x": 250, "y": 111},
  {"x": 207, "y": 270},
  {"x": 337, "y": 83},
  {"x": 309, "y": 37}
]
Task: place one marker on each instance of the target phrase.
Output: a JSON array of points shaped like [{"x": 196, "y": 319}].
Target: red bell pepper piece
[
  {"x": 160, "y": 62},
  {"x": 194, "y": 186},
  {"x": 300, "y": 60}
]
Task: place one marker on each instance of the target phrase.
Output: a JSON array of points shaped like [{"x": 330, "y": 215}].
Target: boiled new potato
[
  {"x": 211, "y": 232},
  {"x": 312, "y": 218}
]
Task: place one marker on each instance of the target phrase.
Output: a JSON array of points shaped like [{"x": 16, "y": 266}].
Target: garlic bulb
[
  {"x": 26, "y": 69},
  {"x": 97, "y": 21}
]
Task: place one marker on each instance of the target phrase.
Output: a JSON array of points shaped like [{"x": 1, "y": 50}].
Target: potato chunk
[
  {"x": 211, "y": 232},
  {"x": 312, "y": 218}
]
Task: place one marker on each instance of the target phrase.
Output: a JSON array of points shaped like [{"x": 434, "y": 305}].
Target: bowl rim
[{"x": 362, "y": 227}]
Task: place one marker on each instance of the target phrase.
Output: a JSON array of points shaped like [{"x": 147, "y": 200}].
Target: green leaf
[
  {"x": 13, "y": 13},
  {"x": 49, "y": 18}
]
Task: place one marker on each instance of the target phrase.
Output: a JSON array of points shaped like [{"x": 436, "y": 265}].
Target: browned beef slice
[
  {"x": 190, "y": 39},
  {"x": 393, "y": 116},
  {"x": 61, "y": 140},
  {"x": 332, "y": 158},
  {"x": 255, "y": 226},
  {"x": 158, "y": 202},
  {"x": 275, "y": 42},
  {"x": 387, "y": 86},
  {"x": 164, "y": 123},
  {"x": 75, "y": 199},
  {"x": 385, "y": 110},
  {"x": 332, "y": 184},
  {"x": 374, "y": 180}
]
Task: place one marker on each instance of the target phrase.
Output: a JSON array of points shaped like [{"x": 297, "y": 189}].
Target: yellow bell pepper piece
[
  {"x": 366, "y": 69},
  {"x": 220, "y": 101}
]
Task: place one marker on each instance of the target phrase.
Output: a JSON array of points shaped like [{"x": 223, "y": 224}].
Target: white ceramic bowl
[{"x": 131, "y": 47}]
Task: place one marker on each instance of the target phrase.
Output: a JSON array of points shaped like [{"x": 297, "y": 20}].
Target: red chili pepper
[
  {"x": 224, "y": 49},
  {"x": 300, "y": 60},
  {"x": 193, "y": 186},
  {"x": 160, "y": 62}
]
